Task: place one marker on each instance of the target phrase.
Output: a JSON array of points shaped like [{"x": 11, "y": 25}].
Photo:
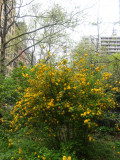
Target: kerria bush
[{"x": 64, "y": 100}]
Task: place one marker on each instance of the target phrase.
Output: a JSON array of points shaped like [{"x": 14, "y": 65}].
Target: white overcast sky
[{"x": 107, "y": 10}]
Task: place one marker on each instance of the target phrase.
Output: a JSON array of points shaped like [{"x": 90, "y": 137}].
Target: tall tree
[
  {"x": 8, "y": 19},
  {"x": 56, "y": 35}
]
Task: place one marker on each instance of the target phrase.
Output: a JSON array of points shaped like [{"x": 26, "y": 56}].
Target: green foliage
[
  {"x": 111, "y": 63},
  {"x": 15, "y": 146},
  {"x": 108, "y": 63},
  {"x": 62, "y": 103},
  {"x": 57, "y": 111},
  {"x": 103, "y": 149},
  {"x": 17, "y": 75},
  {"x": 12, "y": 87},
  {"x": 7, "y": 88}
]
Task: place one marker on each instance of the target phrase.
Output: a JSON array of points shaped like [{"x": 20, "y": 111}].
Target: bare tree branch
[
  {"x": 25, "y": 39},
  {"x": 28, "y": 48},
  {"x": 24, "y": 51},
  {"x": 53, "y": 19},
  {"x": 30, "y": 32},
  {"x": 20, "y": 6},
  {"x": 13, "y": 22},
  {"x": 27, "y": 16},
  {"x": 49, "y": 25}
]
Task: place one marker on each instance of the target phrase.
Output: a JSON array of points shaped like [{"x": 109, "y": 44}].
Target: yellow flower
[
  {"x": 48, "y": 56},
  {"x": 64, "y": 158},
  {"x": 9, "y": 144},
  {"x": 113, "y": 147},
  {"x": 24, "y": 67},
  {"x": 20, "y": 150},
  {"x": 97, "y": 69},
  {"x": 38, "y": 155},
  {"x": 68, "y": 87},
  {"x": 74, "y": 87},
  {"x": 12, "y": 157},
  {"x": 97, "y": 54},
  {"x": 10, "y": 140},
  {"x": 85, "y": 55},
  {"x": 92, "y": 65},
  {"x": 86, "y": 120},
  {"x": 90, "y": 138},
  {"x": 88, "y": 112},
  {"x": 76, "y": 54},
  {"x": 43, "y": 46},
  {"x": 64, "y": 88},
  {"x": 44, "y": 158},
  {"x": 48, "y": 52},
  {"x": 69, "y": 158},
  {"x": 32, "y": 70}
]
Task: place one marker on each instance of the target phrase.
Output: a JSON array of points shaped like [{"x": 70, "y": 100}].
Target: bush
[
  {"x": 7, "y": 88},
  {"x": 63, "y": 102}
]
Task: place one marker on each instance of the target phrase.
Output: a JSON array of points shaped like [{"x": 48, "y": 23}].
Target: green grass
[
  {"x": 101, "y": 149},
  {"x": 104, "y": 150}
]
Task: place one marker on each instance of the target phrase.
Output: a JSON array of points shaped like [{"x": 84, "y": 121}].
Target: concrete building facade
[{"x": 110, "y": 45}]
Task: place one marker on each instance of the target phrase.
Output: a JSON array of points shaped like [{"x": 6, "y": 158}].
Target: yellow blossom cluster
[
  {"x": 10, "y": 142},
  {"x": 65, "y": 158},
  {"x": 115, "y": 89},
  {"x": 90, "y": 138},
  {"x": 97, "y": 69},
  {"x": 107, "y": 75},
  {"x": 57, "y": 94}
]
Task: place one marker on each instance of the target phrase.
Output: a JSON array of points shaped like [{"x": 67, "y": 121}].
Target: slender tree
[{"x": 9, "y": 18}]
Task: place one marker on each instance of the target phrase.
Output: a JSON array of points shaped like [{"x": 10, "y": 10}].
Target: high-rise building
[{"x": 110, "y": 44}]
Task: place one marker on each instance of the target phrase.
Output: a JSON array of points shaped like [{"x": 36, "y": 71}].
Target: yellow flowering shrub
[{"x": 67, "y": 99}]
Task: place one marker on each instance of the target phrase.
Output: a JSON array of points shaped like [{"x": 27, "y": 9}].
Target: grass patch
[{"x": 28, "y": 148}]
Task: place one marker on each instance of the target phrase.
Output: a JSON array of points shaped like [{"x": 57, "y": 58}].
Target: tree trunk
[
  {"x": 3, "y": 28},
  {"x": 2, "y": 60}
]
